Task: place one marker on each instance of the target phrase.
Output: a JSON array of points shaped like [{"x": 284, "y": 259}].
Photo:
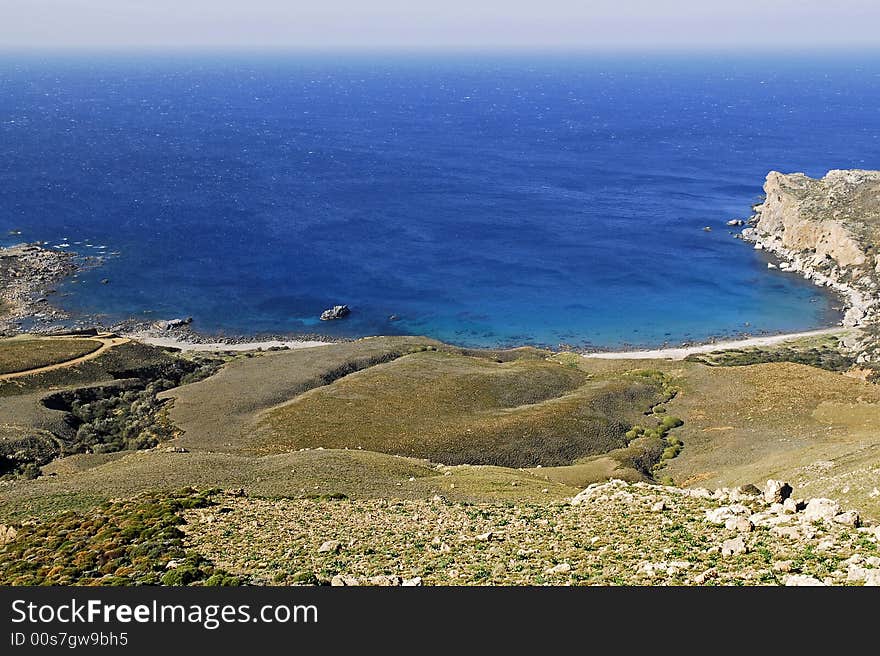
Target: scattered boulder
[
  {"x": 7, "y": 534},
  {"x": 790, "y": 532},
  {"x": 848, "y": 518},
  {"x": 776, "y": 491},
  {"x": 801, "y": 580},
  {"x": 330, "y": 546},
  {"x": 791, "y": 506},
  {"x": 386, "y": 580},
  {"x": 708, "y": 575},
  {"x": 822, "y": 509},
  {"x": 739, "y": 524},
  {"x": 855, "y": 573},
  {"x": 734, "y": 546},
  {"x": 336, "y": 312},
  {"x": 341, "y": 580},
  {"x": 718, "y": 515},
  {"x": 561, "y": 568}
]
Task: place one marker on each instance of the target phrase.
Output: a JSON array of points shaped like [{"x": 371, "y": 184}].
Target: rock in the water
[
  {"x": 776, "y": 491},
  {"x": 336, "y": 312},
  {"x": 171, "y": 324},
  {"x": 735, "y": 222},
  {"x": 821, "y": 508}
]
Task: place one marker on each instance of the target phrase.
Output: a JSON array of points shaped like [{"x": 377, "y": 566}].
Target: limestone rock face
[
  {"x": 828, "y": 230},
  {"x": 824, "y": 215}
]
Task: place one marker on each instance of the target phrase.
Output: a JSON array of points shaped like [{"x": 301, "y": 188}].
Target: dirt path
[
  {"x": 107, "y": 343},
  {"x": 682, "y": 352}
]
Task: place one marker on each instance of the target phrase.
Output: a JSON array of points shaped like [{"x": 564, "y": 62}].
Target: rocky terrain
[
  {"x": 27, "y": 274},
  {"x": 828, "y": 230},
  {"x": 611, "y": 533}
]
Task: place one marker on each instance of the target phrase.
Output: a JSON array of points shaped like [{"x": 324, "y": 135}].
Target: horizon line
[{"x": 753, "y": 51}]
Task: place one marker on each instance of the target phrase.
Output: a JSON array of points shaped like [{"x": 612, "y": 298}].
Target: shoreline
[
  {"x": 28, "y": 276},
  {"x": 185, "y": 345},
  {"x": 670, "y": 353},
  {"x": 36, "y": 270},
  {"x": 681, "y": 352}
]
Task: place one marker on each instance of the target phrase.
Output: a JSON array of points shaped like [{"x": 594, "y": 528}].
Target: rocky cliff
[{"x": 828, "y": 230}]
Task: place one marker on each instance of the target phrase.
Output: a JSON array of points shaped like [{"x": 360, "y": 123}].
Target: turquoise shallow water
[{"x": 482, "y": 201}]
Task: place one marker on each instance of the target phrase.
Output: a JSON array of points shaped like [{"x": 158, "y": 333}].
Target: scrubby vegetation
[
  {"x": 128, "y": 415},
  {"x": 825, "y": 355},
  {"x": 122, "y": 415},
  {"x": 22, "y": 452},
  {"x": 136, "y": 542},
  {"x": 116, "y": 421}
]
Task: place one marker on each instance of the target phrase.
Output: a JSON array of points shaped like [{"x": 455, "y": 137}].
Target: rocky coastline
[
  {"x": 827, "y": 230},
  {"x": 28, "y": 274}
]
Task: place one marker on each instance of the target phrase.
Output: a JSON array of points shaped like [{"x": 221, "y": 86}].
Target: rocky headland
[
  {"x": 28, "y": 273},
  {"x": 828, "y": 230}
]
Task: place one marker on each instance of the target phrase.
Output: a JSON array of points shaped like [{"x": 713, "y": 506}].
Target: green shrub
[
  {"x": 118, "y": 543},
  {"x": 668, "y": 423}
]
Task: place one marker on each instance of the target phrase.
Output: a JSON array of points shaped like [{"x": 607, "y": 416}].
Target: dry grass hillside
[{"x": 369, "y": 440}]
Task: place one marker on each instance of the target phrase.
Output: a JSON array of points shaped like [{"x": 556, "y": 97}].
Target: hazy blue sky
[{"x": 497, "y": 24}]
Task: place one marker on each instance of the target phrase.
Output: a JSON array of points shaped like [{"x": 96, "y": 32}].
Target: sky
[{"x": 801, "y": 25}]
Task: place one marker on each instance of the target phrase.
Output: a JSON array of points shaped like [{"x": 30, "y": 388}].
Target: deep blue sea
[{"x": 483, "y": 200}]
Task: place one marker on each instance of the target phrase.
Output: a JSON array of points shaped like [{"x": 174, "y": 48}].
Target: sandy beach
[
  {"x": 172, "y": 342},
  {"x": 671, "y": 353},
  {"x": 681, "y": 352}
]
